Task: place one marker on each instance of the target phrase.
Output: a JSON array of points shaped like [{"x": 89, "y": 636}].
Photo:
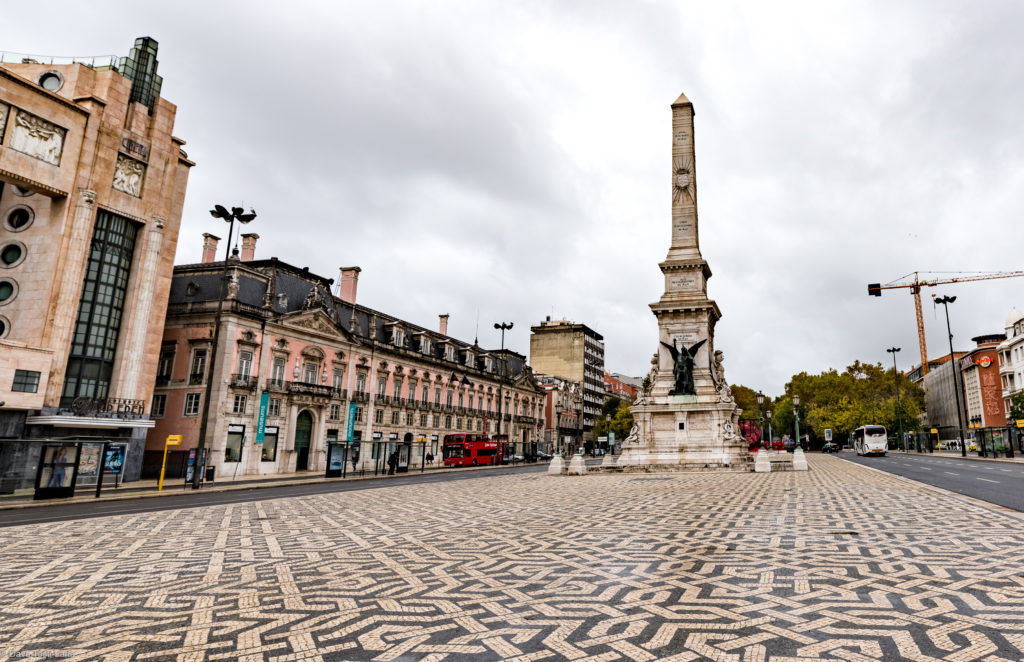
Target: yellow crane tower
[{"x": 915, "y": 285}]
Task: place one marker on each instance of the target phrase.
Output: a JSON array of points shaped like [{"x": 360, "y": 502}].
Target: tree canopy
[{"x": 863, "y": 394}]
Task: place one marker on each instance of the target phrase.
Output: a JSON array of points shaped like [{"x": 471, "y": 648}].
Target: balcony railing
[
  {"x": 163, "y": 380},
  {"x": 310, "y": 389},
  {"x": 197, "y": 378},
  {"x": 241, "y": 380},
  {"x": 339, "y": 393},
  {"x": 361, "y": 396},
  {"x": 277, "y": 385}
]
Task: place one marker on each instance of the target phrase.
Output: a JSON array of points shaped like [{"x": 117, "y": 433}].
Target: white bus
[{"x": 870, "y": 440}]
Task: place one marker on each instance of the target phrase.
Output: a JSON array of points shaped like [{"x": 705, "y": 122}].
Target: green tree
[
  {"x": 622, "y": 419},
  {"x": 1017, "y": 407},
  {"x": 746, "y": 398}
]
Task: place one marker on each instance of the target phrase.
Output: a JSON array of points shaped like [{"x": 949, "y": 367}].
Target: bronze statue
[{"x": 682, "y": 368}]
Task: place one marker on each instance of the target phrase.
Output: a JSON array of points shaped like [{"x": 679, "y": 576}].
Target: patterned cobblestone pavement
[{"x": 839, "y": 563}]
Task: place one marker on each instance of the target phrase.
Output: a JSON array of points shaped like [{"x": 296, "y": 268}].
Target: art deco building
[
  {"x": 983, "y": 397},
  {"x": 574, "y": 352},
  {"x": 92, "y": 183},
  {"x": 324, "y": 369}
]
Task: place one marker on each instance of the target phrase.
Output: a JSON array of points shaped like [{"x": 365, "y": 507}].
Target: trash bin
[{"x": 210, "y": 471}]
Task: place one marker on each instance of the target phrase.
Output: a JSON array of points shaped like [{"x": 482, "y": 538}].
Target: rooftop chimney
[
  {"x": 209, "y": 248},
  {"x": 249, "y": 246},
  {"x": 444, "y": 324},
  {"x": 349, "y": 283}
]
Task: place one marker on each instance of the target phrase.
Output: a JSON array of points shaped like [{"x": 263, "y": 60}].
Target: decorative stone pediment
[{"x": 316, "y": 321}]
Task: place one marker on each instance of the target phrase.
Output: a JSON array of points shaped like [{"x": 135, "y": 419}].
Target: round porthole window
[
  {"x": 19, "y": 218},
  {"x": 51, "y": 81},
  {"x": 5, "y": 326},
  {"x": 8, "y": 290},
  {"x": 12, "y": 254}
]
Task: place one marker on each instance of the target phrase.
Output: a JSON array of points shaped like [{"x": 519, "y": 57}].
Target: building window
[
  {"x": 245, "y": 363},
  {"x": 277, "y": 371},
  {"x": 165, "y": 366},
  {"x": 378, "y": 416},
  {"x": 192, "y": 404},
  {"x": 437, "y": 396},
  {"x": 94, "y": 342},
  {"x": 448, "y": 422},
  {"x": 458, "y": 423},
  {"x": 398, "y": 389},
  {"x": 233, "y": 445},
  {"x": 361, "y": 383},
  {"x": 437, "y": 421},
  {"x": 359, "y": 414},
  {"x": 269, "y": 451},
  {"x": 448, "y": 399},
  {"x": 479, "y": 425},
  {"x": 198, "y": 369},
  {"x": 382, "y": 385},
  {"x": 338, "y": 379},
  {"x": 335, "y": 412},
  {"x": 423, "y": 420},
  {"x": 309, "y": 371},
  {"x": 159, "y": 405},
  {"x": 460, "y": 400},
  {"x": 425, "y": 392},
  {"x": 395, "y": 417},
  {"x": 408, "y": 419},
  {"x": 25, "y": 381},
  {"x": 239, "y": 406}
]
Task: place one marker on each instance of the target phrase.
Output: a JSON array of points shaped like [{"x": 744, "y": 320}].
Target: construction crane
[{"x": 915, "y": 285}]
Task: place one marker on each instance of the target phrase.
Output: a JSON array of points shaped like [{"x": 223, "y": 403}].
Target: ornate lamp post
[
  {"x": 501, "y": 383},
  {"x": 608, "y": 430},
  {"x": 760, "y": 417},
  {"x": 945, "y": 301},
  {"x": 899, "y": 409},
  {"x": 236, "y": 214},
  {"x": 796, "y": 420},
  {"x": 768, "y": 413}
]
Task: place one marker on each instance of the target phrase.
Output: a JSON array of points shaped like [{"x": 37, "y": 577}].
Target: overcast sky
[{"x": 505, "y": 161}]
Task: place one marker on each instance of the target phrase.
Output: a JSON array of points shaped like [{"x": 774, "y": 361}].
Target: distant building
[
  {"x": 940, "y": 397},
  {"x": 983, "y": 396},
  {"x": 563, "y": 414},
  {"x": 1011, "y": 359},
  {"x": 574, "y": 352},
  {"x": 616, "y": 388},
  {"x": 92, "y": 183},
  {"x": 326, "y": 370}
]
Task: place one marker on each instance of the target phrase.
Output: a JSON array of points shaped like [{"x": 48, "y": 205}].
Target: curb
[{"x": 227, "y": 487}]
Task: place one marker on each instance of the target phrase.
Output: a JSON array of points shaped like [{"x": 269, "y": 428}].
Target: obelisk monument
[{"x": 686, "y": 418}]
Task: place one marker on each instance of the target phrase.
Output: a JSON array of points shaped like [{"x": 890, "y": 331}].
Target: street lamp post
[
  {"x": 607, "y": 432},
  {"x": 236, "y": 214},
  {"x": 503, "y": 327},
  {"x": 768, "y": 413},
  {"x": 796, "y": 420},
  {"x": 945, "y": 301},
  {"x": 760, "y": 417},
  {"x": 899, "y": 409}
]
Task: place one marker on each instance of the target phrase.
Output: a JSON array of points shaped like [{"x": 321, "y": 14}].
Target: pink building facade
[{"x": 327, "y": 371}]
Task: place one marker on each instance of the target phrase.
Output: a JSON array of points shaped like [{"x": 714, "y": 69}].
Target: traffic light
[{"x": 875, "y": 289}]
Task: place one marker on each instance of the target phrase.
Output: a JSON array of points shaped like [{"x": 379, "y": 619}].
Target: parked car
[
  {"x": 541, "y": 455},
  {"x": 829, "y": 447}
]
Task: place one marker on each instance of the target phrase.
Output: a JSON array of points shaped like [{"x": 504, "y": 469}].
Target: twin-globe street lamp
[
  {"x": 796, "y": 421},
  {"x": 236, "y": 214},
  {"x": 899, "y": 412},
  {"x": 760, "y": 417},
  {"x": 503, "y": 327},
  {"x": 945, "y": 301}
]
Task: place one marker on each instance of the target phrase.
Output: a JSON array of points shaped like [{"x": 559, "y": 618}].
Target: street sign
[
  {"x": 1020, "y": 422},
  {"x": 828, "y": 434},
  {"x": 611, "y": 437},
  {"x": 173, "y": 439},
  {"x": 603, "y": 439},
  {"x": 261, "y": 418}
]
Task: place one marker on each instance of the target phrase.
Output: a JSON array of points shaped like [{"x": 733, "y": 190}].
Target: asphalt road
[
  {"x": 60, "y": 512},
  {"x": 1001, "y": 483}
]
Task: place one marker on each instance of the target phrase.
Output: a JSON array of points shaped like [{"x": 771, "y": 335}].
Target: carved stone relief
[
  {"x": 684, "y": 189},
  {"x": 4, "y": 109},
  {"x": 129, "y": 175},
  {"x": 38, "y": 138}
]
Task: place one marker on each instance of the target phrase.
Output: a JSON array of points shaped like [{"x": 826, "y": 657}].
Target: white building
[{"x": 1011, "y": 358}]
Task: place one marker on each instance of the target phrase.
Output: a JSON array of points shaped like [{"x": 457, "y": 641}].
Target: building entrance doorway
[{"x": 303, "y": 431}]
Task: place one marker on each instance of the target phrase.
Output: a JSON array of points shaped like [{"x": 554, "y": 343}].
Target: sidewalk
[
  {"x": 147, "y": 488},
  {"x": 1017, "y": 458}
]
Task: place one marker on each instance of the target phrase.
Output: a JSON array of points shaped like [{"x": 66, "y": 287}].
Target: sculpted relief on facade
[
  {"x": 129, "y": 175},
  {"x": 38, "y": 138},
  {"x": 4, "y": 109}
]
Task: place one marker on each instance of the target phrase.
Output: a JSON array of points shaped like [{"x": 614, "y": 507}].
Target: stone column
[
  {"x": 65, "y": 308},
  {"x": 131, "y": 357}
]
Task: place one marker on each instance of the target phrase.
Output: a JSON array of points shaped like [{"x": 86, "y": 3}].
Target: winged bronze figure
[{"x": 682, "y": 367}]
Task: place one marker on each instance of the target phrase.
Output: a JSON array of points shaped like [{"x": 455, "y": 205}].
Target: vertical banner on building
[
  {"x": 261, "y": 421},
  {"x": 350, "y": 427}
]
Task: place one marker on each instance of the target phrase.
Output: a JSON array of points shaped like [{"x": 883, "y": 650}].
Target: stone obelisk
[{"x": 686, "y": 418}]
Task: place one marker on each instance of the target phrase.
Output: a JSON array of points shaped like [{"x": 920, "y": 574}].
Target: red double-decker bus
[{"x": 469, "y": 450}]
